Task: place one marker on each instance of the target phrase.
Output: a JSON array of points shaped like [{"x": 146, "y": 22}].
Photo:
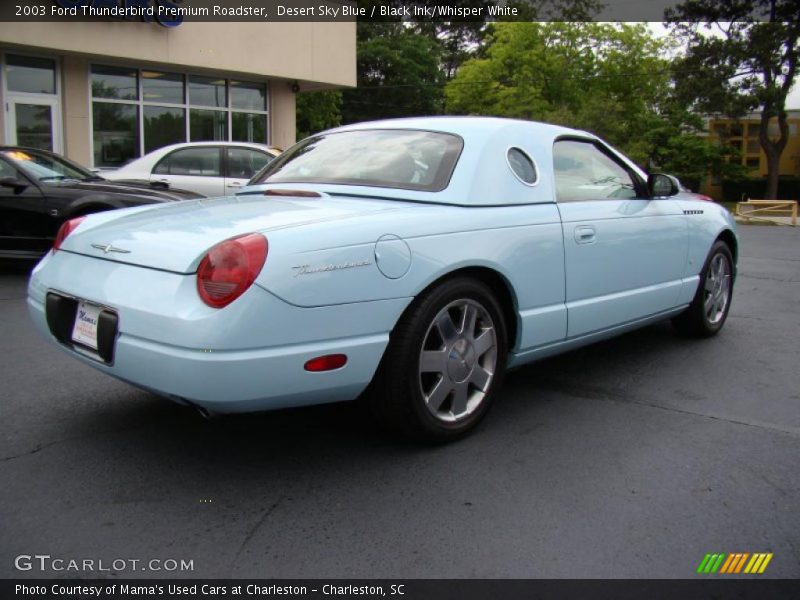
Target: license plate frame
[{"x": 96, "y": 341}]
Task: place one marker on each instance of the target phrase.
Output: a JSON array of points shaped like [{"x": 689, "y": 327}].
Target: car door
[
  {"x": 624, "y": 252},
  {"x": 23, "y": 221},
  {"x": 241, "y": 164},
  {"x": 198, "y": 169}
]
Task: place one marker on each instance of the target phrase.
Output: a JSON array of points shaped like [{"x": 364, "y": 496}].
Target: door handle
[
  {"x": 234, "y": 184},
  {"x": 585, "y": 234}
]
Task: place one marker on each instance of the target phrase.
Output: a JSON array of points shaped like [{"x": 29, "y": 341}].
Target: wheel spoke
[
  {"x": 721, "y": 301},
  {"x": 433, "y": 361},
  {"x": 438, "y": 394},
  {"x": 484, "y": 342},
  {"x": 710, "y": 284},
  {"x": 460, "y": 397},
  {"x": 480, "y": 378},
  {"x": 447, "y": 329},
  {"x": 708, "y": 303},
  {"x": 722, "y": 268},
  {"x": 468, "y": 321}
]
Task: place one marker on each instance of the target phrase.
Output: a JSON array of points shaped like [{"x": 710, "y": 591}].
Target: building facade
[
  {"x": 105, "y": 92},
  {"x": 742, "y": 136}
]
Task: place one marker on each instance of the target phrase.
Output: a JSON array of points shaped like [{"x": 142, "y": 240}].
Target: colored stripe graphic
[
  {"x": 734, "y": 563},
  {"x": 741, "y": 562},
  {"x": 703, "y": 563},
  {"x": 727, "y": 564},
  {"x": 730, "y": 564},
  {"x": 718, "y": 562},
  {"x": 765, "y": 563}
]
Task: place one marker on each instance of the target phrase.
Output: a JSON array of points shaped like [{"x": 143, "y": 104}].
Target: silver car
[{"x": 207, "y": 168}]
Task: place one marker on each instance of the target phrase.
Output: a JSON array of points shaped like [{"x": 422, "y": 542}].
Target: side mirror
[
  {"x": 661, "y": 185},
  {"x": 14, "y": 183}
]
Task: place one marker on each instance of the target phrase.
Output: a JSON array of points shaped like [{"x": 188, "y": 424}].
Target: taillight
[
  {"x": 66, "y": 228},
  {"x": 230, "y": 268}
]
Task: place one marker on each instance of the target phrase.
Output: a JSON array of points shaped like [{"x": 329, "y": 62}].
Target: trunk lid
[{"x": 175, "y": 236}]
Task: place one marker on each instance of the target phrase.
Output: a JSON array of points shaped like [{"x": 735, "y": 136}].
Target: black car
[{"x": 40, "y": 190}]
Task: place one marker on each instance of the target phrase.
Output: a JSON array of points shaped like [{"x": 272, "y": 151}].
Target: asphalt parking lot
[{"x": 631, "y": 458}]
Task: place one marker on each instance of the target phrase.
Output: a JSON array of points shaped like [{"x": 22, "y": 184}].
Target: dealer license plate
[{"x": 85, "y": 329}]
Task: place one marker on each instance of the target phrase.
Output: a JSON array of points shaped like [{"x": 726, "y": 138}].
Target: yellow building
[
  {"x": 742, "y": 135},
  {"x": 104, "y": 92}
]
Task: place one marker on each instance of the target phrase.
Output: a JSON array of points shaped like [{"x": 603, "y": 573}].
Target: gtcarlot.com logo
[
  {"x": 734, "y": 564},
  {"x": 48, "y": 563}
]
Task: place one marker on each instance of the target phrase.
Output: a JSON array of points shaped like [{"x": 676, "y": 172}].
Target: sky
[{"x": 792, "y": 101}]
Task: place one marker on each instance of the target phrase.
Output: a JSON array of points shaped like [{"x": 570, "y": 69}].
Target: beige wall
[
  {"x": 282, "y": 114},
  {"x": 321, "y": 54},
  {"x": 313, "y": 55},
  {"x": 75, "y": 108}
]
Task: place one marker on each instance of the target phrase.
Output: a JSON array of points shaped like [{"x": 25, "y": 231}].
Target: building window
[
  {"x": 753, "y": 162},
  {"x": 137, "y": 111},
  {"x": 248, "y": 96},
  {"x": 31, "y": 75},
  {"x": 248, "y": 127},
  {"x": 116, "y": 83},
  {"x": 163, "y": 126},
  {"x": 115, "y": 133},
  {"x": 208, "y": 91},
  {"x": 208, "y": 125},
  {"x": 164, "y": 88}
]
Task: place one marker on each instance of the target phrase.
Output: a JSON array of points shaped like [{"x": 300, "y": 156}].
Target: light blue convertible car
[{"x": 410, "y": 262}]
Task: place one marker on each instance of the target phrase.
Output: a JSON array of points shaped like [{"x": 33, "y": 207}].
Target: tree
[
  {"x": 403, "y": 65},
  {"x": 398, "y": 74},
  {"x": 612, "y": 80},
  {"x": 605, "y": 78},
  {"x": 741, "y": 56},
  {"x": 317, "y": 111}
]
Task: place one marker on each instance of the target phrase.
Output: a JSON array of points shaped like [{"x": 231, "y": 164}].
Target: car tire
[
  {"x": 709, "y": 309},
  {"x": 444, "y": 364}
]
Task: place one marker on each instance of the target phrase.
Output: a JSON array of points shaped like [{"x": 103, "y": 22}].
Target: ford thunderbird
[{"x": 407, "y": 262}]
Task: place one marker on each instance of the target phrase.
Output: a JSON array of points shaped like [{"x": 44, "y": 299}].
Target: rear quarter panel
[{"x": 523, "y": 244}]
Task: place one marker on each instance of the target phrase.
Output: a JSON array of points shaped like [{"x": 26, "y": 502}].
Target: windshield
[
  {"x": 46, "y": 167},
  {"x": 391, "y": 158}
]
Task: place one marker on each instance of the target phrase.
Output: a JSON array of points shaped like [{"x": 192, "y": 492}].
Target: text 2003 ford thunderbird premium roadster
[{"x": 416, "y": 259}]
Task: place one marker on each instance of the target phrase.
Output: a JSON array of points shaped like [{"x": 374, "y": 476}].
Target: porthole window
[{"x": 522, "y": 166}]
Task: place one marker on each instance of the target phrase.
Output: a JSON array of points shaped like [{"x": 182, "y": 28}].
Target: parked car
[
  {"x": 208, "y": 168},
  {"x": 410, "y": 260},
  {"x": 40, "y": 190}
]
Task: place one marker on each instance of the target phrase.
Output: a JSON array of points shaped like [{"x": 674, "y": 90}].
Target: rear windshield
[{"x": 389, "y": 158}]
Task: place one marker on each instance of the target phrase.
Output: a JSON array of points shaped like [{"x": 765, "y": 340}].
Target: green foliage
[
  {"x": 612, "y": 80},
  {"x": 317, "y": 111},
  {"x": 741, "y": 56},
  {"x": 398, "y": 74}
]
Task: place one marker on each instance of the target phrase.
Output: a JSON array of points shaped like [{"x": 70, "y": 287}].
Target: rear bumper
[{"x": 248, "y": 356}]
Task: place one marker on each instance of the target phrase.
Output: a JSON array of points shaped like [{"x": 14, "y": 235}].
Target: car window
[
  {"x": 46, "y": 167},
  {"x": 197, "y": 162},
  {"x": 391, "y": 158},
  {"x": 243, "y": 163},
  {"x": 583, "y": 172},
  {"x": 522, "y": 165},
  {"x": 6, "y": 170}
]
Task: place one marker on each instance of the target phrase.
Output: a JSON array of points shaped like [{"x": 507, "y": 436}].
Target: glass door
[{"x": 34, "y": 122}]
